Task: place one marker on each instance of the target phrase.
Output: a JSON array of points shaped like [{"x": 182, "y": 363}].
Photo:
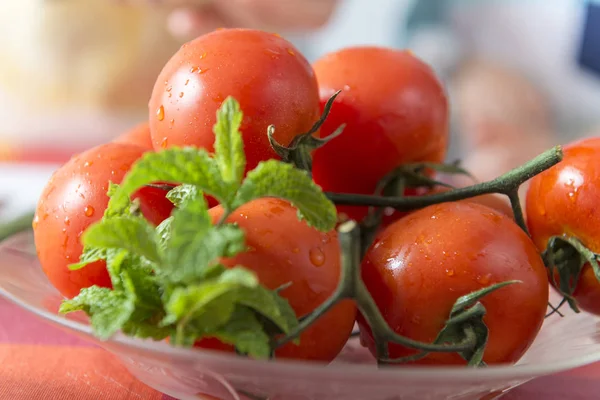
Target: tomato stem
[{"x": 504, "y": 184}]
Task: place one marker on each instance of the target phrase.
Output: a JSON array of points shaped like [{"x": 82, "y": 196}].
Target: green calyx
[{"x": 565, "y": 258}]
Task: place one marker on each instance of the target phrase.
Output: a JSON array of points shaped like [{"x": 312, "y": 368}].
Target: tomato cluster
[{"x": 395, "y": 112}]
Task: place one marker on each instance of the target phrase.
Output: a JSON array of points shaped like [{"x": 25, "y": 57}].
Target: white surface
[{"x": 20, "y": 187}]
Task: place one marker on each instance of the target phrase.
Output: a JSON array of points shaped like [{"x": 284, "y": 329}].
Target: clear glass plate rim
[{"x": 331, "y": 371}]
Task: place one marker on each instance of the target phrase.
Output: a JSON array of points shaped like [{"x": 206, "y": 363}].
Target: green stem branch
[{"x": 505, "y": 184}]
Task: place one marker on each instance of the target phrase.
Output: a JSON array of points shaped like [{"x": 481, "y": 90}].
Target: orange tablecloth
[{"x": 39, "y": 361}]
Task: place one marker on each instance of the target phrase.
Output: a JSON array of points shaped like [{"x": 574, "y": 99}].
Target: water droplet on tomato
[
  {"x": 277, "y": 35},
  {"x": 450, "y": 272},
  {"x": 170, "y": 94},
  {"x": 295, "y": 250},
  {"x": 171, "y": 123},
  {"x": 573, "y": 195},
  {"x": 164, "y": 143},
  {"x": 186, "y": 82},
  {"x": 202, "y": 71},
  {"x": 67, "y": 221},
  {"x": 202, "y": 56},
  {"x": 35, "y": 222},
  {"x": 45, "y": 216},
  {"x": 316, "y": 256},
  {"x": 65, "y": 242},
  {"x": 160, "y": 113},
  {"x": 169, "y": 88},
  {"x": 277, "y": 210},
  {"x": 291, "y": 52},
  {"x": 67, "y": 257},
  {"x": 485, "y": 279},
  {"x": 347, "y": 88},
  {"x": 89, "y": 211},
  {"x": 193, "y": 70},
  {"x": 88, "y": 163},
  {"x": 180, "y": 94}
]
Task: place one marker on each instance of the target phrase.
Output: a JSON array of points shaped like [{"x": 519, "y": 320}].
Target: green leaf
[
  {"x": 133, "y": 234},
  {"x": 229, "y": 146},
  {"x": 195, "y": 244},
  {"x": 277, "y": 179},
  {"x": 270, "y": 305},
  {"x": 232, "y": 307},
  {"x": 180, "y": 193},
  {"x": 163, "y": 231},
  {"x": 186, "y": 165},
  {"x": 245, "y": 332},
  {"x": 88, "y": 256},
  {"x": 108, "y": 310},
  {"x": 145, "y": 330}
]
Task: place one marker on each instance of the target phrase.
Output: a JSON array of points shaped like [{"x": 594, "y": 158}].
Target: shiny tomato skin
[
  {"x": 395, "y": 110},
  {"x": 420, "y": 265},
  {"x": 283, "y": 250},
  {"x": 76, "y": 197},
  {"x": 267, "y": 75},
  {"x": 138, "y": 135},
  {"x": 563, "y": 200},
  {"x": 495, "y": 201}
]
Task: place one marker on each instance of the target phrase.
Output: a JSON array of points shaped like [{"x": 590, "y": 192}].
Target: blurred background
[{"x": 522, "y": 75}]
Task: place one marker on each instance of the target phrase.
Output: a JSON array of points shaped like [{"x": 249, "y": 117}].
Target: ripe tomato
[
  {"x": 138, "y": 135},
  {"x": 563, "y": 200},
  {"x": 420, "y": 265},
  {"x": 395, "y": 111},
  {"x": 74, "y": 198},
  {"x": 266, "y": 74},
  {"x": 286, "y": 250},
  {"x": 497, "y": 202}
]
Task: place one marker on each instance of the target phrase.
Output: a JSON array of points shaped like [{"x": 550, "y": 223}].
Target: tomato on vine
[
  {"x": 395, "y": 110},
  {"x": 420, "y": 265},
  {"x": 76, "y": 197},
  {"x": 562, "y": 211},
  {"x": 267, "y": 75},
  {"x": 285, "y": 252}
]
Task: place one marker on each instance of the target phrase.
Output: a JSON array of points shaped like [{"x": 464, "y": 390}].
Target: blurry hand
[{"x": 192, "y": 18}]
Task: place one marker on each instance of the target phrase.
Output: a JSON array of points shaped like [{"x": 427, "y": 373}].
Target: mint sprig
[{"x": 168, "y": 281}]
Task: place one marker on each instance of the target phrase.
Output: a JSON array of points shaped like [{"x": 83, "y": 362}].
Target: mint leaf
[
  {"x": 146, "y": 330},
  {"x": 133, "y": 234},
  {"x": 190, "y": 260},
  {"x": 88, "y": 256},
  {"x": 163, "y": 231},
  {"x": 108, "y": 310},
  {"x": 180, "y": 193},
  {"x": 192, "y": 301},
  {"x": 277, "y": 179},
  {"x": 232, "y": 307},
  {"x": 195, "y": 244},
  {"x": 229, "y": 146},
  {"x": 244, "y": 331},
  {"x": 186, "y": 165},
  {"x": 270, "y": 305}
]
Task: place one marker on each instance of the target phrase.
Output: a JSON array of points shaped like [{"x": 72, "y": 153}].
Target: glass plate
[{"x": 563, "y": 343}]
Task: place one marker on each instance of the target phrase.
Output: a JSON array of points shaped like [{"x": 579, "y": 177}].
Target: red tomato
[
  {"x": 419, "y": 266},
  {"x": 495, "y": 201},
  {"x": 563, "y": 200},
  {"x": 74, "y": 198},
  {"x": 286, "y": 250},
  {"x": 266, "y": 74},
  {"x": 138, "y": 135},
  {"x": 396, "y": 112}
]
